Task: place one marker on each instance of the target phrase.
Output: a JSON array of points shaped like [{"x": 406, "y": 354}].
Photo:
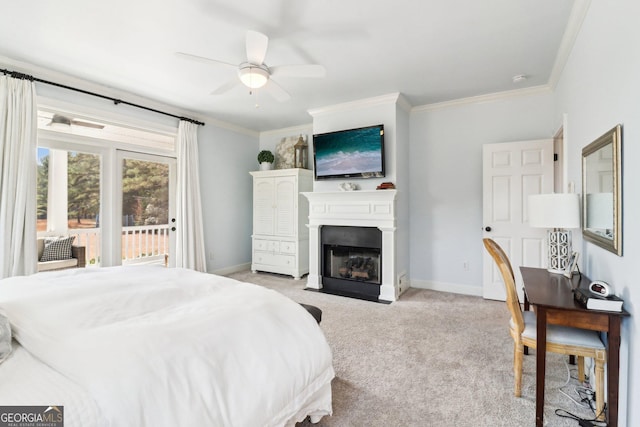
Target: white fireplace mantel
[{"x": 374, "y": 208}]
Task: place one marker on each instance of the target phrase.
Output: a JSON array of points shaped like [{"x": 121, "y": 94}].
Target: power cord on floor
[
  {"x": 587, "y": 399},
  {"x": 585, "y": 394},
  {"x": 582, "y": 422}
]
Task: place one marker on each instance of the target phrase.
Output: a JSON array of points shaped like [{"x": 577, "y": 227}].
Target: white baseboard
[
  {"x": 447, "y": 287},
  {"x": 233, "y": 269}
]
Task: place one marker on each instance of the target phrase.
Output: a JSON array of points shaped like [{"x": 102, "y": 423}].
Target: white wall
[
  {"x": 270, "y": 139},
  {"x": 403, "y": 185},
  {"x": 391, "y": 111},
  {"x": 598, "y": 89},
  {"x": 446, "y": 183},
  {"x": 226, "y": 157},
  {"x": 367, "y": 112}
]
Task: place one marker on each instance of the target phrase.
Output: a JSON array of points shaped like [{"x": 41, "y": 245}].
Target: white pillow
[{"x": 5, "y": 338}]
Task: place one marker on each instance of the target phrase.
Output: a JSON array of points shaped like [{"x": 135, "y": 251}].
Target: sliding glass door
[
  {"x": 110, "y": 183},
  {"x": 122, "y": 211}
]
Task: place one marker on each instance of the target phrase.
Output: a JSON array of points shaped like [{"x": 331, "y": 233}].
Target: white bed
[{"x": 151, "y": 346}]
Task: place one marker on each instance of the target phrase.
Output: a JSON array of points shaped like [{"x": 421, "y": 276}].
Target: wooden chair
[{"x": 560, "y": 339}]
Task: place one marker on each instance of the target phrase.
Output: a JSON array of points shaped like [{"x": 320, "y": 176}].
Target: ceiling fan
[
  {"x": 60, "y": 120},
  {"x": 254, "y": 73}
]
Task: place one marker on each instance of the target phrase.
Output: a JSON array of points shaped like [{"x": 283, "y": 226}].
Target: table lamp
[{"x": 558, "y": 212}]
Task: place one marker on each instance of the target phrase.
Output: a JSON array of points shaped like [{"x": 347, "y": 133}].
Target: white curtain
[
  {"x": 18, "y": 145},
  {"x": 190, "y": 251}
]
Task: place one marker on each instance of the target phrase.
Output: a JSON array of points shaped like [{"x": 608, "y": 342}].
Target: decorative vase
[{"x": 266, "y": 166}]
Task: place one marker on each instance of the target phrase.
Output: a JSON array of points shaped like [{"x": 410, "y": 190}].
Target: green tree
[
  {"x": 83, "y": 185},
  {"x": 145, "y": 188},
  {"x": 42, "y": 190}
]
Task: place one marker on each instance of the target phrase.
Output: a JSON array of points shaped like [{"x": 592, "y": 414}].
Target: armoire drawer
[
  {"x": 287, "y": 247},
  {"x": 266, "y": 245},
  {"x": 266, "y": 258}
]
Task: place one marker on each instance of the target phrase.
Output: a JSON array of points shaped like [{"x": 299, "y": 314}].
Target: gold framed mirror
[{"x": 602, "y": 191}]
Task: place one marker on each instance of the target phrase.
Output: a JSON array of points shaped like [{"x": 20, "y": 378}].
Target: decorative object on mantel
[
  {"x": 301, "y": 156},
  {"x": 265, "y": 158},
  {"x": 386, "y": 186},
  {"x": 284, "y": 152},
  {"x": 348, "y": 186}
]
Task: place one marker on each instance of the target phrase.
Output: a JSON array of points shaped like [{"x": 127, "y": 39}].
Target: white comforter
[{"x": 157, "y": 346}]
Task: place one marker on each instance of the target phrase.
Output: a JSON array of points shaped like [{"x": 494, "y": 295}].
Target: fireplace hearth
[{"x": 351, "y": 261}]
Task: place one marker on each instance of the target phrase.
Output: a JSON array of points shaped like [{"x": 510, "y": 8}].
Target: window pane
[
  {"x": 83, "y": 189},
  {"x": 42, "y": 188},
  {"x": 145, "y": 211}
]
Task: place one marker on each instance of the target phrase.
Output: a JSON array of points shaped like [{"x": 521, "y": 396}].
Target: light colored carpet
[{"x": 429, "y": 359}]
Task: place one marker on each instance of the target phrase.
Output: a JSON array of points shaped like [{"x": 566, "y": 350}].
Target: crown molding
[
  {"x": 490, "y": 97},
  {"x": 388, "y": 99},
  {"x": 574, "y": 25},
  {"x": 404, "y": 104},
  {"x": 288, "y": 130}
]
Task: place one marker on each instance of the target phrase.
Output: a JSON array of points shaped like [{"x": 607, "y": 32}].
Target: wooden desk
[{"x": 552, "y": 298}]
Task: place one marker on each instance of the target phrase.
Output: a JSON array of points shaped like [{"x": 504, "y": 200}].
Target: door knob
[{"x": 487, "y": 228}]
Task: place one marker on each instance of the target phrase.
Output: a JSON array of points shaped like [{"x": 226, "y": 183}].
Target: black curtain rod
[{"x": 116, "y": 101}]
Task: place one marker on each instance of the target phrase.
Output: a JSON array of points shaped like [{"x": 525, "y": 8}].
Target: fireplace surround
[{"x": 368, "y": 209}]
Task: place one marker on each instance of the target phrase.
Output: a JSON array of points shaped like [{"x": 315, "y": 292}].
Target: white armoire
[{"x": 280, "y": 239}]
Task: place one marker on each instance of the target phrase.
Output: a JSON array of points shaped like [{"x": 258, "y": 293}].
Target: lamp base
[{"x": 559, "y": 250}]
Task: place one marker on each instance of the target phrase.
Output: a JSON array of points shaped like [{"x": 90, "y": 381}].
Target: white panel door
[{"x": 511, "y": 172}]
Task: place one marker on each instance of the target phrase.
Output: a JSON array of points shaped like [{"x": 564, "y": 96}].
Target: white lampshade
[{"x": 556, "y": 210}]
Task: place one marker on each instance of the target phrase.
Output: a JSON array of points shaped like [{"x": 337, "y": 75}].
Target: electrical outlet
[
  {"x": 210, "y": 255},
  {"x": 465, "y": 265}
]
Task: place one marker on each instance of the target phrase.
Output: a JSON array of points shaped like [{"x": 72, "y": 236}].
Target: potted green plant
[{"x": 265, "y": 158}]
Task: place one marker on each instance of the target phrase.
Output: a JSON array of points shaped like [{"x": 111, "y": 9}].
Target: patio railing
[{"x": 140, "y": 244}]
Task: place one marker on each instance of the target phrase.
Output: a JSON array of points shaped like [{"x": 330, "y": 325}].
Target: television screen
[{"x": 352, "y": 153}]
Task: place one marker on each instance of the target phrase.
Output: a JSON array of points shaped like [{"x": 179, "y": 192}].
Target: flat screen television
[{"x": 351, "y": 153}]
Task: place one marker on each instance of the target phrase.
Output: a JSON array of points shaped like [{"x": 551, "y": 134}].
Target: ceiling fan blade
[
  {"x": 257, "y": 44},
  {"x": 86, "y": 124},
  {"x": 302, "y": 70},
  {"x": 275, "y": 90},
  {"x": 226, "y": 87},
  {"x": 203, "y": 59}
]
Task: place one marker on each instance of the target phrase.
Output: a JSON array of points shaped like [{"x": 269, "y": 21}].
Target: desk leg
[
  {"x": 541, "y": 352},
  {"x": 613, "y": 369}
]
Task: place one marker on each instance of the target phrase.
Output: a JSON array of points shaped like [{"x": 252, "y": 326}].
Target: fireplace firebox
[{"x": 351, "y": 260}]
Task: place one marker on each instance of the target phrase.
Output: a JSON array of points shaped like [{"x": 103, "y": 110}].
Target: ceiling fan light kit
[
  {"x": 59, "y": 122},
  {"x": 253, "y": 76}
]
